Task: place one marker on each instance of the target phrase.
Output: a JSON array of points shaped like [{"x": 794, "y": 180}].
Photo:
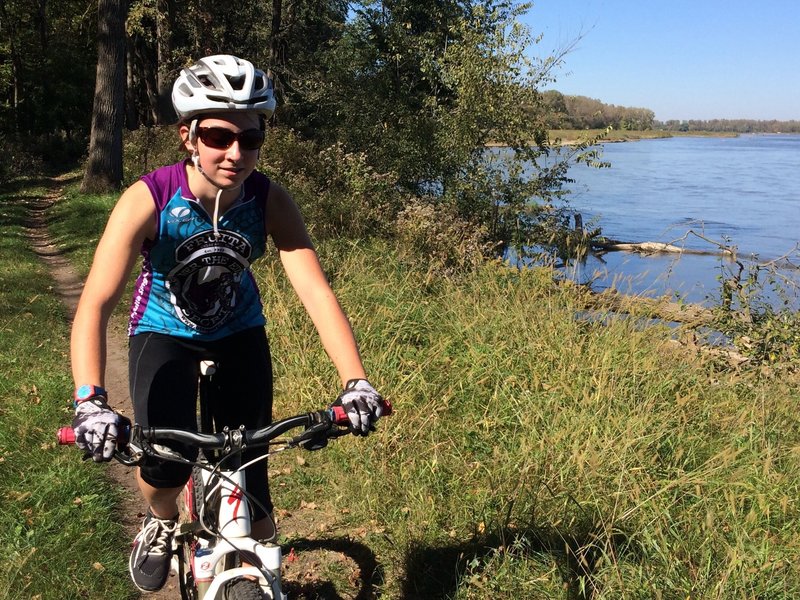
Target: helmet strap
[{"x": 195, "y": 148}]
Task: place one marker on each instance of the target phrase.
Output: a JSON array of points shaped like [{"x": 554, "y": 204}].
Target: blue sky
[{"x": 683, "y": 59}]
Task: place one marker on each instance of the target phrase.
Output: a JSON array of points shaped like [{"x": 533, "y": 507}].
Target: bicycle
[{"x": 216, "y": 557}]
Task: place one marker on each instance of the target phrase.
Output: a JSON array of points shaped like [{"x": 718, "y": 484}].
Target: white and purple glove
[
  {"x": 363, "y": 405},
  {"x": 96, "y": 426}
]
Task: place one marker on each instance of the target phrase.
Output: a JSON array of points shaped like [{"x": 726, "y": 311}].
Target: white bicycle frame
[
  {"x": 234, "y": 528},
  {"x": 202, "y": 563}
]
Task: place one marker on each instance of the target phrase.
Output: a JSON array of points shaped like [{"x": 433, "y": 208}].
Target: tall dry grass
[{"x": 535, "y": 449}]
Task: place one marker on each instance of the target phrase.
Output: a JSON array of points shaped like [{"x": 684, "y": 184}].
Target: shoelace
[{"x": 156, "y": 533}]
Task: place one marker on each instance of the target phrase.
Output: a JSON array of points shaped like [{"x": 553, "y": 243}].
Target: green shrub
[
  {"x": 766, "y": 332},
  {"x": 338, "y": 192},
  {"x": 435, "y": 236},
  {"x": 19, "y": 161}
]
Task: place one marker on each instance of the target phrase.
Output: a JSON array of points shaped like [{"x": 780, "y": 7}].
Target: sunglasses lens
[
  {"x": 217, "y": 137},
  {"x": 251, "y": 139},
  {"x": 222, "y": 139}
]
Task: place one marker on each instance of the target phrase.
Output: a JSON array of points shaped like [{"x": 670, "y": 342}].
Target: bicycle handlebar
[{"x": 334, "y": 415}]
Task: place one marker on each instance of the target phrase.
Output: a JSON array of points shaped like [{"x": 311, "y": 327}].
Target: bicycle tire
[
  {"x": 201, "y": 498},
  {"x": 188, "y": 588},
  {"x": 188, "y": 505},
  {"x": 243, "y": 589}
]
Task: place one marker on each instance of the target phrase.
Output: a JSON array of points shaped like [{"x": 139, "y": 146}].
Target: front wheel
[
  {"x": 185, "y": 577},
  {"x": 243, "y": 589}
]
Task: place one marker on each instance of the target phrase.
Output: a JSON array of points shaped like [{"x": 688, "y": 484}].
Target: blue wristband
[{"x": 88, "y": 392}]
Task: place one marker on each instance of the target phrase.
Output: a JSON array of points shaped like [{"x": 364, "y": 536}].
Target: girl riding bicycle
[{"x": 198, "y": 225}]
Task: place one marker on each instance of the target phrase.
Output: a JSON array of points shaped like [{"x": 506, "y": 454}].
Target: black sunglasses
[{"x": 222, "y": 139}]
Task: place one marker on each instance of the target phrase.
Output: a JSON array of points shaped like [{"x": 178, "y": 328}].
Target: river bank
[{"x": 568, "y": 137}]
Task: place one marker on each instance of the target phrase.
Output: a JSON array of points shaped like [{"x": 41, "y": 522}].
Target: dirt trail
[{"x": 69, "y": 286}]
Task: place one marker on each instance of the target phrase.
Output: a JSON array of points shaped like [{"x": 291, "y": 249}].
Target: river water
[{"x": 741, "y": 191}]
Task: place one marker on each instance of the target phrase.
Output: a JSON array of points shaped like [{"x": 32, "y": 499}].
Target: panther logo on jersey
[{"x": 204, "y": 285}]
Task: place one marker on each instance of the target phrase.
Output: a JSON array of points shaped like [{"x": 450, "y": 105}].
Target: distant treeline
[
  {"x": 581, "y": 112},
  {"x": 734, "y": 125}
]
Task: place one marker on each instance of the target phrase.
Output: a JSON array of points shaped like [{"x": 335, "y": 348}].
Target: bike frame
[{"x": 208, "y": 556}]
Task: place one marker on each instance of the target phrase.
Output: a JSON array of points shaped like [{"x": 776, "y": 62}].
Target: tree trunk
[
  {"x": 655, "y": 248},
  {"x": 8, "y": 26},
  {"x": 146, "y": 68},
  {"x": 42, "y": 22},
  {"x": 275, "y": 33},
  {"x": 104, "y": 165},
  {"x": 277, "y": 52},
  {"x": 164, "y": 27},
  {"x": 131, "y": 114}
]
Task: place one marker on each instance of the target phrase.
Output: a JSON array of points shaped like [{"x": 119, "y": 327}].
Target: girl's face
[{"x": 228, "y": 147}]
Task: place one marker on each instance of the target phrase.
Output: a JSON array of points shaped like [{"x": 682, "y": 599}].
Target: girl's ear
[{"x": 183, "y": 131}]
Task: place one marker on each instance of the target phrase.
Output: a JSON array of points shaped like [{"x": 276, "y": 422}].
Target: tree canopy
[
  {"x": 415, "y": 91},
  {"x": 581, "y": 112}
]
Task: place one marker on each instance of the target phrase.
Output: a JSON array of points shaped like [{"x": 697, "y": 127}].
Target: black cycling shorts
[{"x": 164, "y": 372}]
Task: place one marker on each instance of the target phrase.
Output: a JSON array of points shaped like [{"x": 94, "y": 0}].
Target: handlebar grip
[
  {"x": 387, "y": 408},
  {"x": 66, "y": 436},
  {"x": 340, "y": 416}
]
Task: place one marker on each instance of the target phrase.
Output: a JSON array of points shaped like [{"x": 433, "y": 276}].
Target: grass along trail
[{"x": 532, "y": 454}]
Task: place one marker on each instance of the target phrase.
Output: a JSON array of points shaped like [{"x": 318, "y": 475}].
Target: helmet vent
[
  {"x": 221, "y": 99},
  {"x": 186, "y": 90},
  {"x": 261, "y": 82},
  {"x": 237, "y": 81},
  {"x": 206, "y": 81}
]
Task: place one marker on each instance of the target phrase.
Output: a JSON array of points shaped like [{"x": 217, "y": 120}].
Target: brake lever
[
  {"x": 310, "y": 433},
  {"x": 129, "y": 460}
]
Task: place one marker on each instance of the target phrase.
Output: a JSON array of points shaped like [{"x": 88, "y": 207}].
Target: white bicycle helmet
[{"x": 222, "y": 83}]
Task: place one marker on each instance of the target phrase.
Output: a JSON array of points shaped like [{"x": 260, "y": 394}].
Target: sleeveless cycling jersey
[{"x": 195, "y": 283}]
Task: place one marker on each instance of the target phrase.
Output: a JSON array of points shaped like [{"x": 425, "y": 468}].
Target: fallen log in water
[{"x": 608, "y": 245}]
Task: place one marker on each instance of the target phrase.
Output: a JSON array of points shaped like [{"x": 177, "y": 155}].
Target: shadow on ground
[
  {"x": 370, "y": 573},
  {"x": 434, "y": 572}
]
